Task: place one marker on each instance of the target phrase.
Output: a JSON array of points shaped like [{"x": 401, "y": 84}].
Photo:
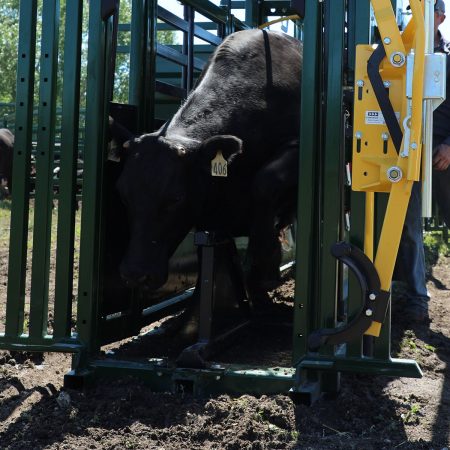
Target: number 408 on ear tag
[{"x": 219, "y": 166}]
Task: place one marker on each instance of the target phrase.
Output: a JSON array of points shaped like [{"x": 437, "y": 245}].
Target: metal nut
[
  {"x": 369, "y": 312},
  {"x": 398, "y": 59},
  {"x": 394, "y": 174}
]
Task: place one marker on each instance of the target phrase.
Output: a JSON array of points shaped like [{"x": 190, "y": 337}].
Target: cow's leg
[{"x": 273, "y": 193}]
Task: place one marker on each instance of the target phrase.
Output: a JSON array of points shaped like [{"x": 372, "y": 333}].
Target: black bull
[
  {"x": 246, "y": 105},
  {"x": 6, "y": 160}
]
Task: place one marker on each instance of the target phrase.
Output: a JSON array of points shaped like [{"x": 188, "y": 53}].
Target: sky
[
  {"x": 175, "y": 7},
  {"x": 445, "y": 27}
]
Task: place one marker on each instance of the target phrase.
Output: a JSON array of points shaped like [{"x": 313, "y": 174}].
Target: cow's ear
[
  {"x": 118, "y": 140},
  {"x": 230, "y": 146}
]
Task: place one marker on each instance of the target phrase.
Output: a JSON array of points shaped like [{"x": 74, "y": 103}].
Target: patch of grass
[
  {"x": 412, "y": 415},
  {"x": 5, "y": 205},
  {"x": 409, "y": 341},
  {"x": 430, "y": 348},
  {"x": 434, "y": 246}
]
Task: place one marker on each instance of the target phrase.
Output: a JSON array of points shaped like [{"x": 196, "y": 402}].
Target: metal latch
[{"x": 435, "y": 77}]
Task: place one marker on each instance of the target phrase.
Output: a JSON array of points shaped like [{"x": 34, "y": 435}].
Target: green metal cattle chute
[{"x": 160, "y": 76}]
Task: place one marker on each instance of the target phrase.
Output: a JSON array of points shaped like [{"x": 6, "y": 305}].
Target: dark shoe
[{"x": 416, "y": 310}]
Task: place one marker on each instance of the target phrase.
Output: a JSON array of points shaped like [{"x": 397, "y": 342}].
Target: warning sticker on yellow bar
[{"x": 377, "y": 118}]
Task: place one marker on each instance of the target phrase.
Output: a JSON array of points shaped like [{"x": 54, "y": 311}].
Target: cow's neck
[{"x": 204, "y": 114}]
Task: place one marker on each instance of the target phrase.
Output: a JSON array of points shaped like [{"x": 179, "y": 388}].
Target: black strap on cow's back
[{"x": 373, "y": 72}]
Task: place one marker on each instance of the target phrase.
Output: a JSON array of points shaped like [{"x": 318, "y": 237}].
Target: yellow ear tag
[{"x": 219, "y": 165}]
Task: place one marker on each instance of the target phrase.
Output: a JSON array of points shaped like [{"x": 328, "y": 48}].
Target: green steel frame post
[
  {"x": 149, "y": 76},
  {"x": 359, "y": 14},
  {"x": 21, "y": 169},
  {"x": 306, "y": 253},
  {"x": 332, "y": 173},
  {"x": 44, "y": 169},
  {"x": 89, "y": 273},
  {"x": 67, "y": 180},
  {"x": 137, "y": 46},
  {"x": 252, "y": 13}
]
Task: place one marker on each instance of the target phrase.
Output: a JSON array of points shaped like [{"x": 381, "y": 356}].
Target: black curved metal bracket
[{"x": 375, "y": 300}]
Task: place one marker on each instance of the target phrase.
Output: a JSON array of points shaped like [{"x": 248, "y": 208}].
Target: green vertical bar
[
  {"x": 306, "y": 253},
  {"x": 88, "y": 287},
  {"x": 149, "y": 78},
  {"x": 68, "y": 174},
  {"x": 359, "y": 15},
  {"x": 251, "y": 13},
  {"x": 333, "y": 172},
  {"x": 358, "y": 29},
  {"x": 21, "y": 168},
  {"x": 44, "y": 169},
  {"x": 136, "y": 52}
]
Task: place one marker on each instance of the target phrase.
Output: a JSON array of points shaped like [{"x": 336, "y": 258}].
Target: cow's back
[
  {"x": 6, "y": 158},
  {"x": 250, "y": 89},
  {"x": 6, "y": 138}
]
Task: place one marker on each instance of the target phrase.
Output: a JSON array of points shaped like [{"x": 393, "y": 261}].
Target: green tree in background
[
  {"x": 121, "y": 80},
  {"x": 9, "y": 38}
]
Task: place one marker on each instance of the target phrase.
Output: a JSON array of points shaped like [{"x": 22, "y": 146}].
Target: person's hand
[{"x": 441, "y": 157}]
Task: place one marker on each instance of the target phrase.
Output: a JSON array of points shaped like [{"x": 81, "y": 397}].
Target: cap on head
[{"x": 439, "y": 6}]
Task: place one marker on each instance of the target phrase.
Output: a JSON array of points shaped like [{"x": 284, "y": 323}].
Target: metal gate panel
[{"x": 38, "y": 338}]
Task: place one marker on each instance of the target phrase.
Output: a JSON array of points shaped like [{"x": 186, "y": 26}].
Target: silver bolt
[
  {"x": 217, "y": 377},
  {"x": 387, "y": 83},
  {"x": 159, "y": 374},
  {"x": 384, "y": 136},
  {"x": 369, "y": 312},
  {"x": 394, "y": 174},
  {"x": 360, "y": 83},
  {"x": 358, "y": 135},
  {"x": 398, "y": 59},
  {"x": 414, "y": 146},
  {"x": 387, "y": 40},
  {"x": 372, "y": 296}
]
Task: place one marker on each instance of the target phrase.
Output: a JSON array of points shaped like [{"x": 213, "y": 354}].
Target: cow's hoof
[
  {"x": 185, "y": 326},
  {"x": 189, "y": 330}
]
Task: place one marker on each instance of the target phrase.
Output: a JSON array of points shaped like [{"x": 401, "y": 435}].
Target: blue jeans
[
  {"x": 441, "y": 193},
  {"x": 410, "y": 265}
]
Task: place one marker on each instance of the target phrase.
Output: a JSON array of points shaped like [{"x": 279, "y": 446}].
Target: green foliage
[
  {"x": 9, "y": 38},
  {"x": 411, "y": 416},
  {"x": 435, "y": 246}
]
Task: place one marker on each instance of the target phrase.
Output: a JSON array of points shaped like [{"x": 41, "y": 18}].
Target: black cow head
[{"x": 160, "y": 185}]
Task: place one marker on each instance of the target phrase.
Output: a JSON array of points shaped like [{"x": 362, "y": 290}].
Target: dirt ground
[{"x": 36, "y": 412}]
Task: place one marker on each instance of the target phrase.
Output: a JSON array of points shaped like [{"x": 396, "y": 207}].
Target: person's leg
[
  {"x": 441, "y": 192},
  {"x": 411, "y": 259}
]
